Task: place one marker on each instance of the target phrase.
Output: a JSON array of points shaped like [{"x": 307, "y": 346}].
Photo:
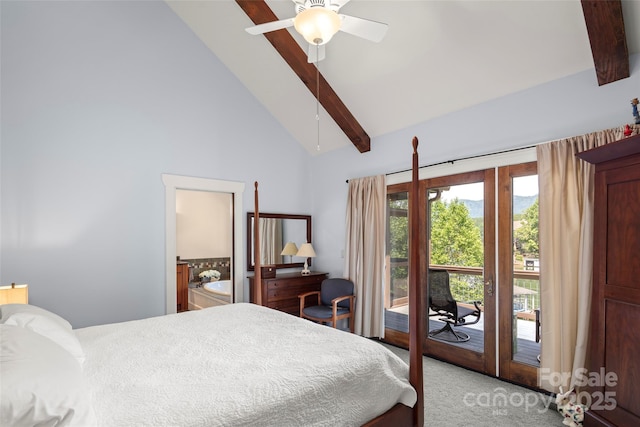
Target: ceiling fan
[{"x": 318, "y": 20}]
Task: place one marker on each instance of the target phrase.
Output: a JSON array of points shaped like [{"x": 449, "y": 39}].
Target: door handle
[{"x": 489, "y": 285}]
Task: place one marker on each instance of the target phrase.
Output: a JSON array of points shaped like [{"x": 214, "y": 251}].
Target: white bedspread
[{"x": 238, "y": 365}]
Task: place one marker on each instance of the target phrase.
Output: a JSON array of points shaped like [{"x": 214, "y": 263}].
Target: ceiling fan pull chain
[{"x": 318, "y": 95}]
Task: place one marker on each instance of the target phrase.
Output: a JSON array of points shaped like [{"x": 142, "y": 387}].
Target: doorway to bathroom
[
  {"x": 173, "y": 185},
  {"x": 204, "y": 249}
]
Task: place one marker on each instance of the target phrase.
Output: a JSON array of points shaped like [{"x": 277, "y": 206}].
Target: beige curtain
[
  {"x": 270, "y": 240},
  {"x": 566, "y": 242},
  {"x": 365, "y": 247}
]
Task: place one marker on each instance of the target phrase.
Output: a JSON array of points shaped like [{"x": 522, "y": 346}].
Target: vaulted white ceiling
[{"x": 436, "y": 58}]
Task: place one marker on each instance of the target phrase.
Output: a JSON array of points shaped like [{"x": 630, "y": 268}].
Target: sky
[{"x": 522, "y": 186}]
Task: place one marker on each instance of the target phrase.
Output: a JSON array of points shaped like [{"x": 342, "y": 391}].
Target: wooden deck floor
[{"x": 527, "y": 349}]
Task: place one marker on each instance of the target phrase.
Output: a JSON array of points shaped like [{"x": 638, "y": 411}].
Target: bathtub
[
  {"x": 211, "y": 294},
  {"x": 220, "y": 288}
]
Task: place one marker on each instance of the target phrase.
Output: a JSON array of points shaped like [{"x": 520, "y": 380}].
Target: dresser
[
  {"x": 281, "y": 292},
  {"x": 614, "y": 345}
]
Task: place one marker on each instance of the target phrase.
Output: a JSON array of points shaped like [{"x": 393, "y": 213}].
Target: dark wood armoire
[{"x": 614, "y": 341}]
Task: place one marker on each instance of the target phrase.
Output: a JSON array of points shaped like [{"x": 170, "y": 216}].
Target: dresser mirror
[{"x": 276, "y": 231}]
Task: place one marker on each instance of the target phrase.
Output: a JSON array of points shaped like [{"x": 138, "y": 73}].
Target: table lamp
[
  {"x": 290, "y": 249},
  {"x": 306, "y": 251}
]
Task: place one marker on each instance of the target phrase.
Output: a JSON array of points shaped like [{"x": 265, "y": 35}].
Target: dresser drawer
[
  {"x": 278, "y": 295},
  {"x": 281, "y": 292},
  {"x": 288, "y": 306},
  {"x": 281, "y": 283}
]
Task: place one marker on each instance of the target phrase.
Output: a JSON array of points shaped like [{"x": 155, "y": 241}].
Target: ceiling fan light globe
[{"x": 317, "y": 25}]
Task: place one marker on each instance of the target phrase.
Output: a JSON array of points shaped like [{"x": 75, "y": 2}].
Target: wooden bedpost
[
  {"x": 416, "y": 294},
  {"x": 257, "y": 279}
]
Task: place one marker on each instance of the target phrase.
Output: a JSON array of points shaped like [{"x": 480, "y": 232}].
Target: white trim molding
[{"x": 178, "y": 182}]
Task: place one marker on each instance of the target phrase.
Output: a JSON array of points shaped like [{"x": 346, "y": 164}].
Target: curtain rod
[{"x": 462, "y": 158}]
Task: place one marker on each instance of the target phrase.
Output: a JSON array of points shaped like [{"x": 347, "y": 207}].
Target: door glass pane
[
  {"x": 397, "y": 262},
  {"x": 526, "y": 270},
  {"x": 456, "y": 239}
]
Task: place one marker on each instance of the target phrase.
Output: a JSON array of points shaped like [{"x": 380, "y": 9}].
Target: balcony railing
[{"x": 396, "y": 289}]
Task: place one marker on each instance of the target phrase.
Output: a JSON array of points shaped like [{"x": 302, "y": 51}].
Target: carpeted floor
[{"x": 456, "y": 397}]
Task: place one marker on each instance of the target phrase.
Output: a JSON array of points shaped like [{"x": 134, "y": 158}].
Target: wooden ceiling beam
[
  {"x": 292, "y": 53},
  {"x": 605, "y": 27}
]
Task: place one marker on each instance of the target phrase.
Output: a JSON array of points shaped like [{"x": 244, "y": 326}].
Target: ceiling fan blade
[
  {"x": 270, "y": 26},
  {"x": 365, "y": 28},
  {"x": 336, "y": 5},
  {"x": 315, "y": 53}
]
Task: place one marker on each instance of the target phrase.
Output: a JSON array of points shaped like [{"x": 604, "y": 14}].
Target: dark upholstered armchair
[
  {"x": 334, "y": 301},
  {"x": 442, "y": 303}
]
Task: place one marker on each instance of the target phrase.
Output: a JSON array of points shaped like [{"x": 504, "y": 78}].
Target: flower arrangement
[{"x": 210, "y": 274}]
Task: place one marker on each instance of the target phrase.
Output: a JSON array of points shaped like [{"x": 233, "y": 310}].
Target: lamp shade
[
  {"x": 317, "y": 24},
  {"x": 14, "y": 294},
  {"x": 289, "y": 249},
  {"x": 306, "y": 251}
]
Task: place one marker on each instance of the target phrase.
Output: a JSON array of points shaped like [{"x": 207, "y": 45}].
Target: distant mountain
[
  {"x": 475, "y": 207},
  {"x": 520, "y": 204}
]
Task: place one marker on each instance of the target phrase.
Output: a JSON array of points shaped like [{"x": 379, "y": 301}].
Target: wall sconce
[
  {"x": 290, "y": 249},
  {"x": 306, "y": 251}
]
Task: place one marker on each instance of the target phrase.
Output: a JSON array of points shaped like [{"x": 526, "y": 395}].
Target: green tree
[
  {"x": 526, "y": 236},
  {"x": 398, "y": 244},
  {"x": 399, "y": 228},
  {"x": 455, "y": 238}
]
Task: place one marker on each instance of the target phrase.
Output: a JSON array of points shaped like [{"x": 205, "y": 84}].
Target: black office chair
[
  {"x": 335, "y": 301},
  {"x": 442, "y": 303}
]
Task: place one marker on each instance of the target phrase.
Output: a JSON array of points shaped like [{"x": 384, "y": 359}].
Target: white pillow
[
  {"x": 6, "y": 310},
  {"x": 42, "y": 384},
  {"x": 44, "y": 323}
]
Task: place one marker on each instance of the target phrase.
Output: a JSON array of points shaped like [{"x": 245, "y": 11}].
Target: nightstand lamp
[
  {"x": 306, "y": 251},
  {"x": 290, "y": 249},
  {"x": 14, "y": 294}
]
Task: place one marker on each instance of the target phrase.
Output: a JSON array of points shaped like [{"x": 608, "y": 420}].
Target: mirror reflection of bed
[{"x": 203, "y": 244}]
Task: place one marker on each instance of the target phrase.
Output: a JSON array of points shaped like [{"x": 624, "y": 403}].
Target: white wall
[
  {"x": 98, "y": 100},
  {"x": 574, "y": 105},
  {"x": 203, "y": 224}
]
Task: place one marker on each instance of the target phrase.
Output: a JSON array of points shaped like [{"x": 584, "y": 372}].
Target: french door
[
  {"x": 468, "y": 224},
  {"x": 460, "y": 241},
  {"x": 518, "y": 274}
]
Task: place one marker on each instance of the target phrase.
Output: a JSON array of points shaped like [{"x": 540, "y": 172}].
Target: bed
[
  {"x": 400, "y": 414},
  {"x": 238, "y": 364},
  {"x": 233, "y": 365}
]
